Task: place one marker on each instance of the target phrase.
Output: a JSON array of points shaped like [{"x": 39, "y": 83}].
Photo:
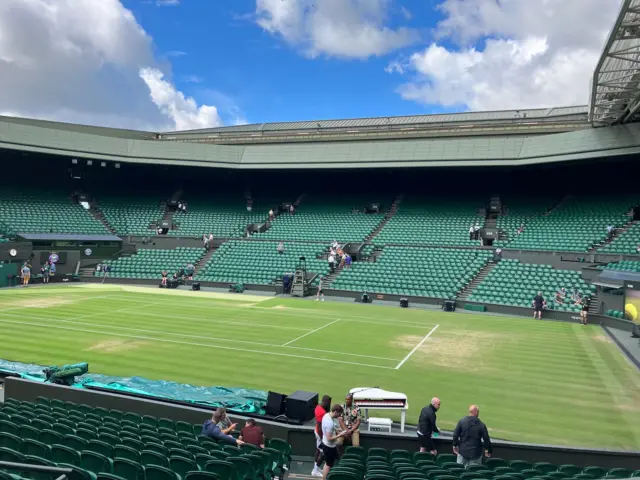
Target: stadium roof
[
  {"x": 510, "y": 116},
  {"x": 615, "y": 87}
]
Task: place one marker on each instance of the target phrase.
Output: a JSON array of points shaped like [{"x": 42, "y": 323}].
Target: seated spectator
[
  {"x": 224, "y": 423},
  {"x": 211, "y": 429},
  {"x": 252, "y": 434},
  {"x": 280, "y": 248},
  {"x": 520, "y": 229},
  {"x": 561, "y": 295},
  {"x": 610, "y": 230}
]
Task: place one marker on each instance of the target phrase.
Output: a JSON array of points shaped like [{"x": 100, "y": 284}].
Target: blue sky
[
  {"x": 234, "y": 60},
  {"x": 182, "y": 64}
]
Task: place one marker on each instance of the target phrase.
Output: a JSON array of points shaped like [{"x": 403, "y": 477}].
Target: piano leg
[{"x": 403, "y": 417}]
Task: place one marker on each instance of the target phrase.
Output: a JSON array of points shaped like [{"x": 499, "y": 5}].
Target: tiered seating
[
  {"x": 128, "y": 446},
  {"x": 520, "y": 211},
  {"x": 514, "y": 283},
  {"x": 242, "y": 261},
  {"x": 151, "y": 262},
  {"x": 45, "y": 212},
  {"x": 624, "y": 266},
  {"x": 380, "y": 464},
  {"x": 222, "y": 217},
  {"x": 576, "y": 225},
  {"x": 434, "y": 223},
  {"x": 626, "y": 243},
  {"x": 131, "y": 216},
  {"x": 322, "y": 219},
  {"x": 429, "y": 272}
]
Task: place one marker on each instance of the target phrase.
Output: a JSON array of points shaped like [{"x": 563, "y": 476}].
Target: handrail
[{"x": 25, "y": 467}]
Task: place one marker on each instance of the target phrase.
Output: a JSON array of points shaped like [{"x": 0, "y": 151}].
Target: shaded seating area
[
  {"x": 113, "y": 445},
  {"x": 433, "y": 222},
  {"x": 151, "y": 262},
  {"x": 429, "y": 272},
  {"x": 259, "y": 262},
  {"x": 131, "y": 215},
  {"x": 514, "y": 283},
  {"x": 626, "y": 243}
]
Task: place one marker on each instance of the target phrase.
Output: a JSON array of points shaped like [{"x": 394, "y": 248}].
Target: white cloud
[
  {"x": 340, "y": 28},
  {"x": 79, "y": 61},
  {"x": 183, "y": 111},
  {"x": 526, "y": 53}
]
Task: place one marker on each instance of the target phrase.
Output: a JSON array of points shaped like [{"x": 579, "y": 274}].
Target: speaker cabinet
[
  {"x": 404, "y": 302},
  {"x": 449, "y": 306},
  {"x": 275, "y": 404},
  {"x": 300, "y": 405},
  {"x": 195, "y": 286}
]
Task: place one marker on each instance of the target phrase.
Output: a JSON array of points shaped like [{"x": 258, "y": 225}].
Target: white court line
[
  {"x": 142, "y": 330},
  {"x": 309, "y": 333},
  {"x": 417, "y": 346},
  {"x": 195, "y": 344},
  {"x": 295, "y": 312},
  {"x": 215, "y": 320}
]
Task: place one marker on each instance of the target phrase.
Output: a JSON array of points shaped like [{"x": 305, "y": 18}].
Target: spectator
[
  {"x": 538, "y": 305},
  {"x": 320, "y": 290},
  {"x": 252, "y": 434},
  {"x": 321, "y": 410},
  {"x": 224, "y": 423},
  {"x": 271, "y": 215},
  {"x": 45, "y": 272},
  {"x": 471, "y": 232},
  {"x": 205, "y": 241},
  {"x": 330, "y": 437},
  {"x": 347, "y": 261},
  {"x": 164, "y": 278},
  {"x": 189, "y": 270},
  {"x": 280, "y": 248},
  {"x": 476, "y": 232},
  {"x": 427, "y": 426},
  {"x": 292, "y": 209},
  {"x": 561, "y": 295},
  {"x": 469, "y": 437},
  {"x": 638, "y": 248},
  {"x": 584, "y": 311},
  {"x": 610, "y": 230},
  {"x": 52, "y": 269},
  {"x": 211, "y": 429},
  {"x": 332, "y": 263},
  {"x": 351, "y": 418}
]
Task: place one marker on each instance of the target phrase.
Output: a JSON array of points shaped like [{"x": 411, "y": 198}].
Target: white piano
[{"x": 378, "y": 399}]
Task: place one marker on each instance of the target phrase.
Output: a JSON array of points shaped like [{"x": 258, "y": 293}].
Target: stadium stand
[
  {"x": 519, "y": 211},
  {"x": 428, "y": 272},
  {"x": 623, "y": 265},
  {"x": 326, "y": 219},
  {"x": 381, "y": 464},
  {"x": 436, "y": 222},
  {"x": 259, "y": 262},
  {"x": 131, "y": 215},
  {"x": 576, "y": 225},
  {"x": 150, "y": 263},
  {"x": 127, "y": 446},
  {"x": 45, "y": 212},
  {"x": 514, "y": 283},
  {"x": 221, "y": 216},
  {"x": 625, "y": 243}
]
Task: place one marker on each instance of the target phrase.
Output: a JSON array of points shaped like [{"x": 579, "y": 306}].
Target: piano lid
[{"x": 368, "y": 393}]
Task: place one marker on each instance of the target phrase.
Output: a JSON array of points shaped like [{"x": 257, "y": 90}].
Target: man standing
[
  {"x": 321, "y": 410},
  {"x": 320, "y": 292},
  {"x": 427, "y": 426},
  {"x": 468, "y": 439},
  {"x": 538, "y": 305},
  {"x": 351, "y": 419},
  {"x": 330, "y": 438}
]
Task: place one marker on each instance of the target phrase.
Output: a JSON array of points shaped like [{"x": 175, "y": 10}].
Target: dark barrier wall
[{"x": 301, "y": 437}]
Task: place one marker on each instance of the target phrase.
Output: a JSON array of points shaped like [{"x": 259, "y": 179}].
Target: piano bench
[{"x": 380, "y": 424}]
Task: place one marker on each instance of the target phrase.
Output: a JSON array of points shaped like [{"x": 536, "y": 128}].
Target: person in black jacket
[
  {"x": 427, "y": 426},
  {"x": 468, "y": 439}
]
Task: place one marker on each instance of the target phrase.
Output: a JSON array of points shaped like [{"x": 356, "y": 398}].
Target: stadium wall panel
[{"x": 301, "y": 438}]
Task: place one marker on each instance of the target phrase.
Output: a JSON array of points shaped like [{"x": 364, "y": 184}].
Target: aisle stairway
[
  {"x": 97, "y": 214},
  {"x": 464, "y": 294},
  {"x": 610, "y": 239},
  {"x": 388, "y": 216},
  {"x": 204, "y": 259},
  {"x": 328, "y": 280}
]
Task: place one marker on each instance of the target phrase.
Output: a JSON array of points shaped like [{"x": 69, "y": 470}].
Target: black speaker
[
  {"x": 449, "y": 306},
  {"x": 172, "y": 283},
  {"x": 300, "y": 405},
  {"x": 195, "y": 286},
  {"x": 275, "y": 404},
  {"x": 404, "y": 302}
]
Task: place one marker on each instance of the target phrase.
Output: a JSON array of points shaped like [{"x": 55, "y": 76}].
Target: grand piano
[{"x": 377, "y": 399}]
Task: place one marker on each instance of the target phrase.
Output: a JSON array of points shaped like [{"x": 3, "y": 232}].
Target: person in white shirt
[
  {"x": 271, "y": 214},
  {"x": 332, "y": 263},
  {"x": 471, "y": 230},
  {"x": 330, "y": 437},
  {"x": 280, "y": 248}
]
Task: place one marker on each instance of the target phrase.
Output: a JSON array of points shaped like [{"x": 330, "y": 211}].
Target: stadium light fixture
[
  {"x": 103, "y": 164},
  {"x": 74, "y": 161},
  {"x": 89, "y": 162},
  {"x": 117, "y": 165}
]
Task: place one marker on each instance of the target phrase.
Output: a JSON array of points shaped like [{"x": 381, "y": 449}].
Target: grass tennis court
[{"x": 546, "y": 382}]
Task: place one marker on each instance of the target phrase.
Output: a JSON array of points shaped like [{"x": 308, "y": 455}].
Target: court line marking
[
  {"x": 309, "y": 333},
  {"x": 295, "y": 312},
  {"x": 142, "y": 330},
  {"x": 196, "y": 344},
  {"x": 426, "y": 337}
]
